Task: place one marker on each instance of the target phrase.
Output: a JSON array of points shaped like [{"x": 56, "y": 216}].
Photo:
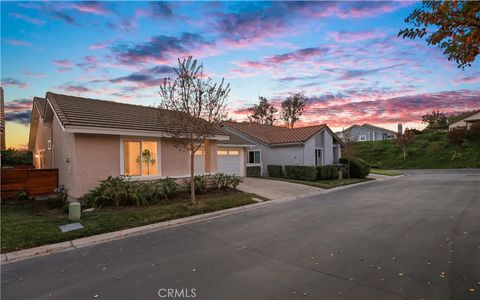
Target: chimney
[{"x": 400, "y": 128}]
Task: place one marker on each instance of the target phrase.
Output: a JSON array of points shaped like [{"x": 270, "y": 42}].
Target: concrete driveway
[
  {"x": 415, "y": 237},
  {"x": 274, "y": 189}
]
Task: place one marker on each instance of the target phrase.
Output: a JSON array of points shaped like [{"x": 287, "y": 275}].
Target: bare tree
[
  {"x": 263, "y": 112},
  {"x": 198, "y": 105},
  {"x": 292, "y": 108},
  {"x": 404, "y": 140},
  {"x": 349, "y": 150}
]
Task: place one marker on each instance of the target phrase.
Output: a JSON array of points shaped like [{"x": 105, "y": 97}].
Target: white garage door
[{"x": 229, "y": 161}]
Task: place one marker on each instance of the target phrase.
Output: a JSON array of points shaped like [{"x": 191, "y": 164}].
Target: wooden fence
[{"x": 34, "y": 182}]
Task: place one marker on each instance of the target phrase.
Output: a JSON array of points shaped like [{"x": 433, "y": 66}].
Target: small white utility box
[{"x": 74, "y": 211}]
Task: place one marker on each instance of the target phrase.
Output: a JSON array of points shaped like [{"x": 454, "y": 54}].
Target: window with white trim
[
  {"x": 253, "y": 156},
  {"x": 319, "y": 157},
  {"x": 362, "y": 137},
  {"x": 140, "y": 158}
]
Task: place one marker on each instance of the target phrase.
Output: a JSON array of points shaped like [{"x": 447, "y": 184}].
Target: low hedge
[
  {"x": 327, "y": 172},
  {"x": 275, "y": 171},
  {"x": 358, "y": 167},
  {"x": 254, "y": 171},
  {"x": 307, "y": 173}
]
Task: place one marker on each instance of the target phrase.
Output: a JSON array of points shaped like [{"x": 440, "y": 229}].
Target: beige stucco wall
[
  {"x": 85, "y": 159},
  {"x": 211, "y": 157},
  {"x": 96, "y": 157},
  {"x": 175, "y": 162},
  {"x": 62, "y": 147}
]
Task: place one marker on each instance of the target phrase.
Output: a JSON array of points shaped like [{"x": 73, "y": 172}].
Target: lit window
[
  {"x": 233, "y": 152},
  {"x": 199, "y": 152},
  {"x": 222, "y": 152},
  {"x": 140, "y": 158},
  {"x": 254, "y": 156}
]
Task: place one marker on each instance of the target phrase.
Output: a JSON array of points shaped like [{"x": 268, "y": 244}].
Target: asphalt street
[{"x": 413, "y": 237}]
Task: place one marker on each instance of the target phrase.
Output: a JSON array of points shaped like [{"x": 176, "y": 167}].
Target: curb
[{"x": 20, "y": 255}]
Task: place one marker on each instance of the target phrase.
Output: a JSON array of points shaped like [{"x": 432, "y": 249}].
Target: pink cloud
[
  {"x": 9, "y": 81},
  {"x": 65, "y": 63},
  {"x": 467, "y": 79},
  {"x": 74, "y": 88},
  {"x": 91, "y": 7},
  {"x": 351, "y": 37},
  {"x": 345, "y": 109},
  {"x": 32, "y": 74},
  {"x": 97, "y": 46}
]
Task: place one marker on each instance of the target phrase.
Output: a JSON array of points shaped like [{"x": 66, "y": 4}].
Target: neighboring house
[
  {"x": 275, "y": 145},
  {"x": 466, "y": 122},
  {"x": 367, "y": 132},
  {"x": 89, "y": 140}
]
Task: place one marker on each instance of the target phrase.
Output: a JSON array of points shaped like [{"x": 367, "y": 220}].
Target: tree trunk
[
  {"x": 192, "y": 177},
  {"x": 404, "y": 153}
]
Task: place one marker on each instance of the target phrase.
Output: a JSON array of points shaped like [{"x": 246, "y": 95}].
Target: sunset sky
[{"x": 345, "y": 56}]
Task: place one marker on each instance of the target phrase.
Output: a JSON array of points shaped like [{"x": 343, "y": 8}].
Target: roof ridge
[
  {"x": 108, "y": 101},
  {"x": 57, "y": 108}
]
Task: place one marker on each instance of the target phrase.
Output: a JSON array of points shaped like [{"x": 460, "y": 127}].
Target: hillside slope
[{"x": 429, "y": 150}]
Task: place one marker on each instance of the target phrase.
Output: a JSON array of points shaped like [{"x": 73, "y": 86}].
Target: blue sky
[{"x": 345, "y": 56}]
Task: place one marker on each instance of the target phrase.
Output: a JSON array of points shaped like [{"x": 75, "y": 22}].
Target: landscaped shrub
[
  {"x": 122, "y": 191},
  {"x": 358, "y": 167},
  {"x": 307, "y": 173},
  {"x": 254, "y": 171},
  {"x": 327, "y": 172},
  {"x": 275, "y": 170},
  {"x": 169, "y": 187},
  {"x": 225, "y": 182},
  {"x": 201, "y": 183}
]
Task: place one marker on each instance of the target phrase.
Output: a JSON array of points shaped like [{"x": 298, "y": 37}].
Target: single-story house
[
  {"x": 274, "y": 145},
  {"x": 467, "y": 121},
  {"x": 368, "y": 132},
  {"x": 88, "y": 140}
]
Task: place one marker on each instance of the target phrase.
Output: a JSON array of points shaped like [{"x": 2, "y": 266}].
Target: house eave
[
  {"x": 235, "y": 145},
  {"x": 130, "y": 132}
]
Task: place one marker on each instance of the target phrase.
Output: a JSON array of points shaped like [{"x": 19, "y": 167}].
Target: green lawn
[
  {"x": 385, "y": 172},
  {"x": 324, "y": 184},
  {"x": 429, "y": 150},
  {"x": 23, "y": 228}
]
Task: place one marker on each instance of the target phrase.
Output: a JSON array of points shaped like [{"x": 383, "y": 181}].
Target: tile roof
[
  {"x": 276, "y": 135},
  {"x": 40, "y": 104},
  {"x": 234, "y": 140},
  {"x": 85, "y": 112}
]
